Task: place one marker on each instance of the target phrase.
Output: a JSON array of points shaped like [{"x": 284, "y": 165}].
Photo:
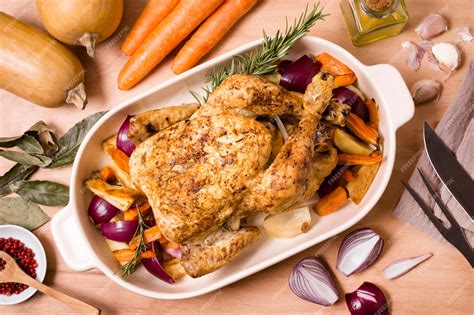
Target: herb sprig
[
  {"x": 264, "y": 60},
  {"x": 133, "y": 264}
]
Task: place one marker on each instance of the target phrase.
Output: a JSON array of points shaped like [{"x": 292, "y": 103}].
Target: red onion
[
  {"x": 358, "y": 250},
  {"x": 283, "y": 65},
  {"x": 331, "y": 182},
  {"x": 123, "y": 141},
  {"x": 298, "y": 75},
  {"x": 100, "y": 211},
  {"x": 120, "y": 231},
  {"x": 281, "y": 127},
  {"x": 175, "y": 252},
  {"x": 153, "y": 265},
  {"x": 311, "y": 281},
  {"x": 400, "y": 267},
  {"x": 368, "y": 299},
  {"x": 346, "y": 96}
]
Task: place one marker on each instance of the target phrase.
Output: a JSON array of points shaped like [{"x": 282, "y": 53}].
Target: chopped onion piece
[
  {"x": 400, "y": 267},
  {"x": 120, "y": 231},
  {"x": 124, "y": 143},
  {"x": 359, "y": 249},
  {"x": 368, "y": 299},
  {"x": 289, "y": 223},
  {"x": 153, "y": 265},
  {"x": 311, "y": 281},
  {"x": 282, "y": 128},
  {"x": 299, "y": 74},
  {"x": 100, "y": 211}
]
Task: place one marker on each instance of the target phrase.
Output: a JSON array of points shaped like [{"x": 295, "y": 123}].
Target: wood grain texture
[{"x": 442, "y": 285}]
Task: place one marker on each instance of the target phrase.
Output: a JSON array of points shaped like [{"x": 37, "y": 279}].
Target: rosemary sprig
[
  {"x": 132, "y": 265},
  {"x": 263, "y": 60}
]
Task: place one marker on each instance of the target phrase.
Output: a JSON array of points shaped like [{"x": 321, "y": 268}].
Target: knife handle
[{"x": 393, "y": 93}]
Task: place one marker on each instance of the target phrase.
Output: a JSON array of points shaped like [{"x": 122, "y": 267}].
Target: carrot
[
  {"x": 353, "y": 159},
  {"x": 132, "y": 214},
  {"x": 343, "y": 80},
  {"x": 373, "y": 112},
  {"x": 331, "y": 202},
  {"x": 154, "y": 12},
  {"x": 184, "y": 18},
  {"x": 151, "y": 234},
  {"x": 332, "y": 65},
  {"x": 347, "y": 175},
  {"x": 365, "y": 132},
  {"x": 210, "y": 33},
  {"x": 127, "y": 254},
  {"x": 107, "y": 174}
]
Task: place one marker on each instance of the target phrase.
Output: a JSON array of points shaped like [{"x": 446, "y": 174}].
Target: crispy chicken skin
[{"x": 223, "y": 164}]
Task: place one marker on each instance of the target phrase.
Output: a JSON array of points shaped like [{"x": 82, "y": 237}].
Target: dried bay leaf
[
  {"x": 16, "y": 173},
  {"x": 22, "y": 212},
  {"x": 26, "y": 158},
  {"x": 42, "y": 192}
]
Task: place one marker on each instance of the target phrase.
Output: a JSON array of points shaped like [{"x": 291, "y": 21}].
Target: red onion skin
[
  {"x": 123, "y": 142},
  {"x": 153, "y": 265},
  {"x": 283, "y": 65},
  {"x": 320, "y": 271},
  {"x": 346, "y": 96},
  {"x": 298, "y": 75},
  {"x": 351, "y": 237},
  {"x": 100, "y": 211},
  {"x": 120, "y": 231},
  {"x": 368, "y": 299}
]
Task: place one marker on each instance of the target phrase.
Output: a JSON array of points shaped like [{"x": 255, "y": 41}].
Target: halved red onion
[
  {"x": 400, "y": 267},
  {"x": 123, "y": 141},
  {"x": 298, "y": 75},
  {"x": 311, "y": 281},
  {"x": 153, "y": 265},
  {"x": 348, "y": 97},
  {"x": 359, "y": 249},
  {"x": 100, "y": 211},
  {"x": 368, "y": 299},
  {"x": 120, "y": 231}
]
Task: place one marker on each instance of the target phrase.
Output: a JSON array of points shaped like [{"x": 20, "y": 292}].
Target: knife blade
[{"x": 451, "y": 173}]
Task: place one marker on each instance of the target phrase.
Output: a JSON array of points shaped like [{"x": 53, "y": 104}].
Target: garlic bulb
[
  {"x": 425, "y": 90},
  {"x": 414, "y": 55},
  {"x": 432, "y": 26},
  {"x": 448, "y": 56}
]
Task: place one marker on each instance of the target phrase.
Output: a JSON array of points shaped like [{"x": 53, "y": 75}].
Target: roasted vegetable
[
  {"x": 331, "y": 202},
  {"x": 366, "y": 133},
  {"x": 349, "y": 144},
  {"x": 359, "y": 186},
  {"x": 81, "y": 22},
  {"x": 36, "y": 67},
  {"x": 120, "y": 197},
  {"x": 373, "y": 113},
  {"x": 174, "y": 268},
  {"x": 353, "y": 159},
  {"x": 288, "y": 224}
]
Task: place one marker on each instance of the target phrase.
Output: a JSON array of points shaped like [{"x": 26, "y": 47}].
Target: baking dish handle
[
  {"x": 70, "y": 242},
  {"x": 395, "y": 93}
]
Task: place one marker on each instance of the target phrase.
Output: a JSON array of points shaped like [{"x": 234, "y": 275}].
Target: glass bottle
[{"x": 368, "y": 21}]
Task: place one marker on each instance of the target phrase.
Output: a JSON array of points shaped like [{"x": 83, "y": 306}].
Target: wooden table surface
[{"x": 443, "y": 285}]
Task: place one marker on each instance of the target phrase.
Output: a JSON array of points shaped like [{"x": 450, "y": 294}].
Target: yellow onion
[
  {"x": 38, "y": 68},
  {"x": 81, "y": 22}
]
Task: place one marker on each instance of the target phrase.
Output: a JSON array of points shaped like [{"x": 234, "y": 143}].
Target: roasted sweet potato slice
[{"x": 364, "y": 177}]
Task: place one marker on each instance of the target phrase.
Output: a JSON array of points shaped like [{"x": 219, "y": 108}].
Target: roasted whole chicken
[{"x": 203, "y": 169}]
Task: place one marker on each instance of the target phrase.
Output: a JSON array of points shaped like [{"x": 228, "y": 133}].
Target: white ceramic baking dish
[{"x": 83, "y": 248}]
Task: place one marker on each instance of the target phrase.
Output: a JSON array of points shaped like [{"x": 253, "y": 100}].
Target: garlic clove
[
  {"x": 448, "y": 56},
  {"x": 414, "y": 55},
  {"x": 463, "y": 34},
  {"x": 433, "y": 25},
  {"x": 425, "y": 90}
]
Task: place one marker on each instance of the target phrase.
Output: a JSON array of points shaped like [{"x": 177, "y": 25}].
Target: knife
[{"x": 454, "y": 177}]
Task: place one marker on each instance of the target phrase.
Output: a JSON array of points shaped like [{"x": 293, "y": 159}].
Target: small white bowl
[{"x": 30, "y": 241}]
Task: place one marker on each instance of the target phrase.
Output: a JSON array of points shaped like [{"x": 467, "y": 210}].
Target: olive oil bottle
[{"x": 368, "y": 21}]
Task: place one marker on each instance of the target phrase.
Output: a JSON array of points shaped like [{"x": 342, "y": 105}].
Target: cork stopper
[{"x": 378, "y": 8}]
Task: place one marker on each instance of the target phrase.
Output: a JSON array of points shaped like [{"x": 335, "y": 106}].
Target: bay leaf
[
  {"x": 22, "y": 212},
  {"x": 16, "y": 173},
  {"x": 46, "y": 137},
  {"x": 69, "y": 143},
  {"x": 26, "y": 158},
  {"x": 29, "y": 144},
  {"x": 42, "y": 192},
  {"x": 8, "y": 142}
]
